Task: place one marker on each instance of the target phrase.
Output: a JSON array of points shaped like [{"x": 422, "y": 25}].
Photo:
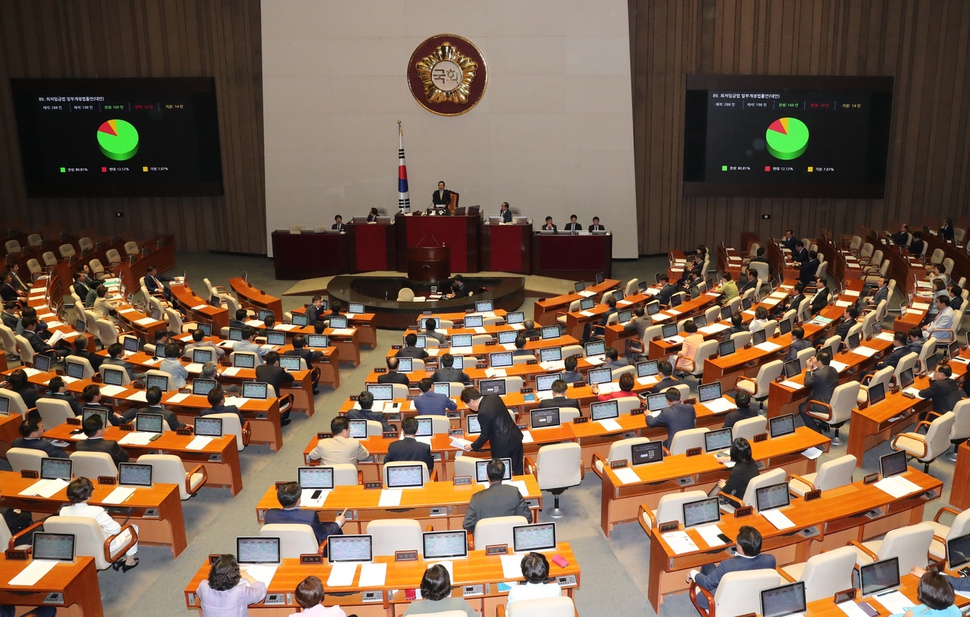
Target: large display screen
[
  {"x": 786, "y": 136},
  {"x": 118, "y": 137}
]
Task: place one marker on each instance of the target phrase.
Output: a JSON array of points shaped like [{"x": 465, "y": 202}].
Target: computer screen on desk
[
  {"x": 444, "y": 544},
  {"x": 782, "y": 601},
  {"x": 500, "y": 359},
  {"x": 134, "y": 474},
  {"x": 381, "y": 392},
  {"x": 358, "y": 429},
  {"x": 650, "y": 452},
  {"x": 647, "y": 368},
  {"x": 600, "y": 375},
  {"x": 255, "y": 390},
  {"x": 876, "y": 392},
  {"x": 484, "y": 306},
  {"x": 405, "y": 365},
  {"x": 550, "y": 332},
  {"x": 604, "y": 410},
  {"x": 782, "y": 425},
  {"x": 318, "y": 341},
  {"x": 481, "y": 470},
  {"x": 291, "y": 363},
  {"x": 461, "y": 340},
  {"x": 493, "y": 386},
  {"x": 876, "y": 577},
  {"x": 300, "y": 319},
  {"x": 42, "y": 363},
  {"x": 202, "y": 387},
  {"x": 958, "y": 551},
  {"x": 201, "y": 356},
  {"x": 544, "y": 418},
  {"x": 53, "y": 546},
  {"x": 405, "y": 476},
  {"x": 315, "y": 477},
  {"x": 708, "y": 391},
  {"x": 208, "y": 427},
  {"x": 506, "y": 337},
  {"x": 472, "y": 427},
  {"x": 892, "y": 464},
  {"x": 772, "y": 497},
  {"x": 717, "y": 440},
  {"x": 550, "y": 354},
  {"x": 514, "y": 317},
  {"x": 338, "y": 321},
  {"x": 701, "y": 512},
  {"x": 149, "y": 422},
  {"x": 540, "y": 537},
  {"x": 275, "y": 337},
  {"x": 110, "y": 377},
  {"x": 793, "y": 368},
  {"x": 544, "y": 382},
  {"x": 725, "y": 348},
  {"x": 257, "y": 550},
  {"x": 56, "y": 468},
  {"x": 594, "y": 348},
  {"x": 474, "y": 321}
]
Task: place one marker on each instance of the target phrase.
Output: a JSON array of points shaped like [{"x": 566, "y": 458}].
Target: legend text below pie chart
[
  {"x": 787, "y": 138},
  {"x": 118, "y": 140}
]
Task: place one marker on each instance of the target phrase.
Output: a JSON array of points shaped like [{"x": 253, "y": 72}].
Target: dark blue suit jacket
[
  {"x": 410, "y": 449},
  {"x": 666, "y": 382},
  {"x": 40, "y": 444},
  {"x": 677, "y": 417},
  {"x": 711, "y": 580},
  {"x": 431, "y": 403},
  {"x": 307, "y": 517},
  {"x": 894, "y": 357}
]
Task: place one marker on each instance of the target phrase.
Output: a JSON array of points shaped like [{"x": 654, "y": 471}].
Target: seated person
[
  {"x": 58, "y": 392},
  {"x": 153, "y": 396},
  {"x": 596, "y": 225},
  {"x": 217, "y": 404},
  {"x": 520, "y": 350},
  {"x": 760, "y": 320},
  {"x": 289, "y": 495},
  {"x": 18, "y": 382},
  {"x": 95, "y": 442},
  {"x": 411, "y": 349},
  {"x": 549, "y": 225},
  {"x": 81, "y": 351},
  {"x": 392, "y": 376},
  {"x": 154, "y": 284},
  {"x": 529, "y": 329},
  {"x": 10, "y": 317},
  {"x": 849, "y": 320},
  {"x": 570, "y": 374},
  {"x": 898, "y": 352},
  {"x": 309, "y": 595},
  {"x": 372, "y": 215},
  {"x": 32, "y": 437},
  {"x": 341, "y": 448},
  {"x": 41, "y": 329},
  {"x": 37, "y": 343},
  {"x": 79, "y": 491},
  {"x": 613, "y": 359},
  {"x": 744, "y": 470},
  {"x": 116, "y": 352},
  {"x": 430, "y": 403},
  {"x": 366, "y": 402},
  {"x": 228, "y": 590},
  {"x": 573, "y": 224},
  {"x": 626, "y": 389},
  {"x": 430, "y": 332},
  {"x": 505, "y": 213},
  {"x": 91, "y": 397},
  {"x": 667, "y": 289},
  {"x": 249, "y": 344},
  {"x": 102, "y": 307},
  {"x": 798, "y": 343},
  {"x": 496, "y": 500},
  {"x": 737, "y": 325},
  {"x": 173, "y": 366},
  {"x": 275, "y": 375},
  {"x": 447, "y": 372},
  {"x": 559, "y": 398},
  {"x": 458, "y": 288},
  {"x": 436, "y": 595},
  {"x": 744, "y": 411},
  {"x": 409, "y": 448},
  {"x": 240, "y": 319},
  {"x": 199, "y": 342},
  {"x": 729, "y": 289},
  {"x": 749, "y": 557},
  {"x": 338, "y": 224},
  {"x": 441, "y": 199},
  {"x": 210, "y": 370},
  {"x": 676, "y": 416},
  {"x": 667, "y": 380},
  {"x": 535, "y": 569},
  {"x": 309, "y": 356}
]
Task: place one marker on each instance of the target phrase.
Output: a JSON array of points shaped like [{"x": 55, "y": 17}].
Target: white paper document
[
  {"x": 519, "y": 484},
  {"x": 492, "y": 373},
  {"x": 610, "y": 425},
  {"x": 44, "y": 488},
  {"x": 894, "y": 601},
  {"x": 343, "y": 331},
  {"x": 119, "y": 495},
  {"x": 175, "y": 399},
  {"x": 812, "y": 453},
  {"x": 794, "y": 385},
  {"x": 648, "y": 381},
  {"x": 306, "y": 497},
  {"x": 231, "y": 371},
  {"x": 511, "y": 566},
  {"x": 587, "y": 293},
  {"x": 626, "y": 475},
  {"x": 112, "y": 391},
  {"x": 884, "y": 336},
  {"x": 35, "y": 571},
  {"x": 674, "y": 340},
  {"x": 460, "y": 443},
  {"x": 145, "y": 321},
  {"x": 527, "y": 437},
  {"x": 714, "y": 328},
  {"x": 137, "y": 439},
  {"x": 768, "y": 346},
  {"x": 32, "y": 371},
  {"x": 897, "y": 486},
  {"x": 390, "y": 498},
  {"x": 609, "y": 387},
  {"x": 919, "y": 306},
  {"x": 720, "y": 405},
  {"x": 852, "y": 293},
  {"x": 553, "y": 365},
  {"x": 342, "y": 574},
  {"x": 852, "y": 609},
  {"x": 838, "y": 366},
  {"x": 679, "y": 542},
  {"x": 778, "y": 519},
  {"x": 865, "y": 351},
  {"x": 709, "y": 534},
  {"x": 587, "y": 313},
  {"x": 199, "y": 442},
  {"x": 372, "y": 574}
]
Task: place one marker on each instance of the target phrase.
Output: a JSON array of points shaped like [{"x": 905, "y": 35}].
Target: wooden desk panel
[
  {"x": 300, "y": 256},
  {"x": 507, "y": 248},
  {"x": 459, "y": 232},
  {"x": 564, "y": 255},
  {"x": 197, "y": 308},
  {"x": 251, "y": 297},
  {"x": 77, "y": 581},
  {"x": 545, "y": 309}
]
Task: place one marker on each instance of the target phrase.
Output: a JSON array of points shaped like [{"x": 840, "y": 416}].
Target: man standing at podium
[
  {"x": 506, "y": 213},
  {"x": 441, "y": 198}
]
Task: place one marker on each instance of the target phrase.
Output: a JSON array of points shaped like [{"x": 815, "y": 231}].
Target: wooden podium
[{"x": 429, "y": 263}]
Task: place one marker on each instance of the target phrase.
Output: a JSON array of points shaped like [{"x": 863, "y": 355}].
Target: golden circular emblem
[{"x": 447, "y": 75}]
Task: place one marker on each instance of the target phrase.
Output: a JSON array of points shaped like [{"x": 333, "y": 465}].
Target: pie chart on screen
[
  {"x": 787, "y": 138},
  {"x": 118, "y": 140}
]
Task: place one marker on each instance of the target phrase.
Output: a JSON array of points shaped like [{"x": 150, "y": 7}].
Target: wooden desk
[
  {"x": 377, "y": 446},
  {"x": 908, "y": 586},
  {"x": 544, "y": 312},
  {"x": 9, "y": 430},
  {"x": 143, "y": 326},
  {"x": 157, "y": 510},
  {"x": 249, "y": 296},
  {"x": 301, "y": 256},
  {"x": 576, "y": 320},
  {"x": 679, "y": 473},
  {"x": 507, "y": 248},
  {"x": 484, "y": 350},
  {"x": 198, "y": 309},
  {"x": 567, "y": 255},
  {"x": 220, "y": 456},
  {"x": 460, "y": 233},
  {"x": 364, "y": 322},
  {"x": 439, "y": 504},
  {"x": 476, "y": 569},
  {"x": 838, "y": 517},
  {"x": 960, "y": 491},
  {"x": 77, "y": 581}
]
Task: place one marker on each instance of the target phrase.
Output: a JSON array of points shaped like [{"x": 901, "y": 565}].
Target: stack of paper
[
  {"x": 553, "y": 365},
  {"x": 720, "y": 405},
  {"x": 838, "y": 366},
  {"x": 587, "y": 313},
  {"x": 519, "y": 484},
  {"x": 372, "y": 575},
  {"x": 610, "y": 425},
  {"x": 709, "y": 533},
  {"x": 111, "y": 391},
  {"x": 679, "y": 542},
  {"x": 175, "y": 399},
  {"x": 768, "y": 346},
  {"x": 231, "y": 371},
  {"x": 199, "y": 442},
  {"x": 626, "y": 475},
  {"x": 460, "y": 443},
  {"x": 794, "y": 385},
  {"x": 136, "y": 439},
  {"x": 648, "y": 381},
  {"x": 390, "y": 498},
  {"x": 119, "y": 495},
  {"x": 865, "y": 351},
  {"x": 897, "y": 486},
  {"x": 138, "y": 396},
  {"x": 778, "y": 519},
  {"x": 511, "y": 566},
  {"x": 263, "y": 574},
  {"x": 343, "y": 331},
  {"x": 44, "y": 488},
  {"x": 895, "y": 602},
  {"x": 34, "y": 571}
]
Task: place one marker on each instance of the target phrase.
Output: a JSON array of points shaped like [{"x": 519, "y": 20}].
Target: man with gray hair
[{"x": 210, "y": 370}]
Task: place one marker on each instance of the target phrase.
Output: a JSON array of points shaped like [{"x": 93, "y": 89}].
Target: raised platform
[{"x": 379, "y": 296}]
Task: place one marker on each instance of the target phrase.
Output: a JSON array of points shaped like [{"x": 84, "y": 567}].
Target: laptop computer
[
  {"x": 484, "y": 306},
  {"x": 544, "y": 382},
  {"x": 381, "y": 391},
  {"x": 544, "y": 418},
  {"x": 56, "y": 468},
  {"x": 444, "y": 544},
  {"x": 53, "y": 546},
  {"x": 149, "y": 422},
  {"x": 514, "y": 317},
  {"x": 708, "y": 391},
  {"x": 715, "y": 441},
  {"x": 257, "y": 550},
  {"x": 550, "y": 332},
  {"x": 892, "y": 464},
  {"x": 600, "y": 375},
  {"x": 879, "y": 576},
  {"x": 472, "y": 427},
  {"x": 726, "y": 348},
  {"x": 784, "y": 600},
  {"x": 772, "y": 497},
  {"x": 594, "y": 348},
  {"x": 781, "y": 426},
  {"x": 958, "y": 551},
  {"x": 481, "y": 470},
  {"x": 405, "y": 476},
  {"x": 604, "y": 410},
  {"x": 701, "y": 512},
  {"x": 290, "y": 363},
  {"x": 202, "y": 387},
  {"x": 647, "y": 368},
  {"x": 500, "y": 359},
  {"x": 208, "y": 427},
  {"x": 529, "y": 538},
  {"x": 201, "y": 356},
  {"x": 255, "y": 389},
  {"x": 492, "y": 386},
  {"x": 134, "y": 474},
  {"x": 350, "y": 548},
  {"x": 643, "y": 453}
]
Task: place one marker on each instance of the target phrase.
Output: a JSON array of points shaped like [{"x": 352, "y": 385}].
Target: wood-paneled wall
[
  {"x": 923, "y": 44},
  {"x": 146, "y": 38}
]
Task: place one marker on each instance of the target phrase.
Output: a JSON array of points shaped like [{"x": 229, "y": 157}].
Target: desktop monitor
[
  {"x": 506, "y": 337},
  {"x": 931, "y": 362},
  {"x": 405, "y": 365},
  {"x": 785, "y": 326},
  {"x": 726, "y": 348},
  {"x": 149, "y": 422},
  {"x": 544, "y": 417},
  {"x": 381, "y": 391},
  {"x": 472, "y": 427},
  {"x": 492, "y": 386},
  {"x": 708, "y": 391},
  {"x": 110, "y": 377},
  {"x": 257, "y": 550},
  {"x": 649, "y": 452},
  {"x": 300, "y": 319},
  {"x": 544, "y": 382},
  {"x": 355, "y": 308},
  {"x": 528, "y": 538},
  {"x": 202, "y": 387},
  {"x": 444, "y": 544},
  {"x": 618, "y": 294},
  {"x": 772, "y": 497},
  {"x": 958, "y": 551},
  {"x": 201, "y": 356},
  {"x": 717, "y": 440},
  {"x": 700, "y": 321},
  {"x": 604, "y": 410},
  {"x": 784, "y": 600},
  {"x": 880, "y": 575},
  {"x": 276, "y": 338},
  {"x": 346, "y": 548},
  {"x": 726, "y": 312},
  {"x": 647, "y": 368},
  {"x": 53, "y": 546},
  {"x": 205, "y": 327},
  {"x": 782, "y": 425},
  {"x": 318, "y": 341},
  {"x": 56, "y": 468},
  {"x": 208, "y": 427},
  {"x": 134, "y": 474},
  {"x": 358, "y": 429},
  {"x": 291, "y": 363},
  {"x": 461, "y": 340},
  {"x": 42, "y": 362},
  {"x": 244, "y": 360},
  {"x": 853, "y": 341},
  {"x": 255, "y": 390},
  {"x": 87, "y": 412},
  {"x": 514, "y": 317},
  {"x": 500, "y": 359},
  {"x": 262, "y": 314},
  {"x": 474, "y": 321},
  {"x": 315, "y": 477},
  {"x": 484, "y": 306},
  {"x": 338, "y": 321},
  {"x": 677, "y": 299},
  {"x": 405, "y": 476},
  {"x": 550, "y": 354},
  {"x": 131, "y": 344},
  {"x": 595, "y": 348},
  {"x": 653, "y": 308},
  {"x": 550, "y": 332},
  {"x": 4, "y": 405},
  {"x": 701, "y": 512},
  {"x": 600, "y": 375},
  {"x": 695, "y": 292},
  {"x": 75, "y": 370},
  {"x": 481, "y": 470},
  {"x": 876, "y": 392},
  {"x": 892, "y": 464}
]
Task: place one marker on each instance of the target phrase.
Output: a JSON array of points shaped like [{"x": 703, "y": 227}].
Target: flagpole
[{"x": 403, "y": 196}]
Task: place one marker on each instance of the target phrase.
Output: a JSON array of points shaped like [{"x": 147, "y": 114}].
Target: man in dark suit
[
  {"x": 946, "y": 232},
  {"x": 272, "y": 373},
  {"x": 505, "y": 212},
  {"x": 458, "y": 288},
  {"x": 240, "y": 320},
  {"x": 901, "y": 236},
  {"x": 441, "y": 198},
  {"x": 520, "y": 350},
  {"x": 749, "y": 558},
  {"x": 676, "y": 416},
  {"x": 667, "y": 289},
  {"x": 798, "y": 343},
  {"x": 392, "y": 376},
  {"x": 314, "y": 310},
  {"x": 431, "y": 403},
  {"x": 798, "y": 294},
  {"x": 943, "y": 391},
  {"x": 95, "y": 442},
  {"x": 808, "y": 268},
  {"x": 848, "y": 320},
  {"x": 409, "y": 448},
  {"x": 916, "y": 244},
  {"x": 37, "y": 343},
  {"x": 800, "y": 254},
  {"x": 744, "y": 411},
  {"x": 822, "y": 379},
  {"x": 289, "y": 497},
  {"x": 496, "y": 500},
  {"x": 914, "y": 340},
  {"x": 737, "y": 325},
  {"x": 81, "y": 351},
  {"x": 309, "y": 356},
  {"x": 549, "y": 225},
  {"x": 365, "y": 401},
  {"x": 667, "y": 379},
  {"x": 571, "y": 375},
  {"x": 338, "y": 223},
  {"x": 58, "y": 392},
  {"x": 498, "y": 427},
  {"x": 573, "y": 224},
  {"x": 956, "y": 297},
  {"x": 9, "y": 315},
  {"x": 881, "y": 293},
  {"x": 447, "y": 372},
  {"x": 153, "y": 396},
  {"x": 788, "y": 240},
  {"x": 821, "y": 297},
  {"x": 154, "y": 284},
  {"x": 429, "y": 330},
  {"x": 613, "y": 360},
  {"x": 82, "y": 287},
  {"x": 559, "y": 398},
  {"x": 8, "y": 293},
  {"x": 217, "y": 404},
  {"x": 31, "y": 436},
  {"x": 411, "y": 349},
  {"x": 596, "y": 225},
  {"x": 750, "y": 281},
  {"x": 899, "y": 351}
]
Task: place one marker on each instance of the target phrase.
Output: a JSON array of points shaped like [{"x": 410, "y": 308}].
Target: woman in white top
[
  {"x": 79, "y": 491},
  {"x": 309, "y": 595},
  {"x": 535, "y": 569},
  {"x": 760, "y": 320}
]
